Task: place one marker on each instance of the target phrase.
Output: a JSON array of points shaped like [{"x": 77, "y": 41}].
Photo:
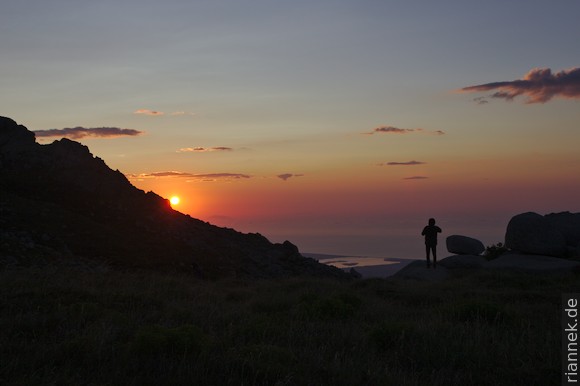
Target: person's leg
[
  {"x": 434, "y": 251},
  {"x": 427, "y": 251}
]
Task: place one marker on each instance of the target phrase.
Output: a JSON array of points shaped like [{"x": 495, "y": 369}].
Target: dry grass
[{"x": 66, "y": 327}]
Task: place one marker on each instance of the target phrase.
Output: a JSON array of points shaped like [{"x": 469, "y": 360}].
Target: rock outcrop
[
  {"x": 569, "y": 225},
  {"x": 531, "y": 233},
  {"x": 463, "y": 245},
  {"x": 463, "y": 262},
  {"x": 59, "y": 202},
  {"x": 417, "y": 270},
  {"x": 533, "y": 264}
]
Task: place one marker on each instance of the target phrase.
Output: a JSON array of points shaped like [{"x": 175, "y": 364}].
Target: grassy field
[{"x": 68, "y": 327}]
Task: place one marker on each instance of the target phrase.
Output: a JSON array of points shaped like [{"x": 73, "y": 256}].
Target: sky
[{"x": 339, "y": 125}]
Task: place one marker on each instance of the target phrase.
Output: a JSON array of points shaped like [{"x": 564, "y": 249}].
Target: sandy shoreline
[{"x": 368, "y": 267}]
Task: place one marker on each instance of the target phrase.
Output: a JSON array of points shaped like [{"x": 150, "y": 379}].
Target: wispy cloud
[
  {"x": 481, "y": 100},
  {"x": 287, "y": 176},
  {"x": 203, "y": 149},
  {"x": 539, "y": 86},
  {"x": 148, "y": 112},
  {"x": 396, "y": 130},
  {"x": 154, "y": 113},
  {"x": 416, "y": 178},
  {"x": 83, "y": 132},
  {"x": 216, "y": 176},
  {"x": 181, "y": 113},
  {"x": 407, "y": 163},
  {"x": 193, "y": 176}
]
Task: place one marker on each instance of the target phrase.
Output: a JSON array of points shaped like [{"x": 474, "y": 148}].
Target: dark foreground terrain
[{"x": 71, "y": 326}]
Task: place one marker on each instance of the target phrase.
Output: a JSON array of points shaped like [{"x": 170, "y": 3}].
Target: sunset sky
[{"x": 341, "y": 126}]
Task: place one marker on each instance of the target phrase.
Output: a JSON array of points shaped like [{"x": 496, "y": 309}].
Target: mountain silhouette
[{"x": 60, "y": 204}]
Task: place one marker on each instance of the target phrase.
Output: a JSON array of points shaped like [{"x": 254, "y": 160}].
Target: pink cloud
[
  {"x": 286, "y": 176},
  {"x": 539, "y": 86},
  {"x": 148, "y": 112}
]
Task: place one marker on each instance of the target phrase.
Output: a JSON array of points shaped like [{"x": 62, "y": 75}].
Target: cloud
[
  {"x": 149, "y": 112},
  {"x": 203, "y": 149},
  {"x": 167, "y": 174},
  {"x": 396, "y": 130},
  {"x": 222, "y": 175},
  {"x": 286, "y": 176},
  {"x": 416, "y": 178},
  {"x": 391, "y": 129},
  {"x": 205, "y": 177},
  {"x": 408, "y": 163},
  {"x": 481, "y": 100},
  {"x": 539, "y": 86},
  {"x": 181, "y": 113},
  {"x": 82, "y": 132},
  {"x": 154, "y": 113}
]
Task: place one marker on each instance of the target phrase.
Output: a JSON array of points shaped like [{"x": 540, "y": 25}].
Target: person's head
[{"x": 431, "y": 221}]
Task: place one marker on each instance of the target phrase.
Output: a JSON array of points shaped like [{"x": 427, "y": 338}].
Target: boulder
[
  {"x": 463, "y": 245},
  {"x": 463, "y": 261},
  {"x": 568, "y": 224},
  {"x": 531, "y": 233}
]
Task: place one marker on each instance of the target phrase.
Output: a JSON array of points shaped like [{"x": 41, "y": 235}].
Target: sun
[{"x": 174, "y": 200}]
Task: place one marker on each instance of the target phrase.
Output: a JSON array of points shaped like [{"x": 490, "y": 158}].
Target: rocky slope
[{"x": 59, "y": 203}]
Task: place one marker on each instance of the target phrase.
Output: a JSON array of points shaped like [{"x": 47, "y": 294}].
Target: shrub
[{"x": 494, "y": 251}]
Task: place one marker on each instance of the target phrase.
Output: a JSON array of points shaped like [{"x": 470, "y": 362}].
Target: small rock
[{"x": 354, "y": 274}]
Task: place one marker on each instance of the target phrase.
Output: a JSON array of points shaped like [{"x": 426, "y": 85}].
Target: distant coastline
[{"x": 368, "y": 267}]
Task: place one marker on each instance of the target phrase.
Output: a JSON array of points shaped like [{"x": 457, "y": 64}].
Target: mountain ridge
[{"x": 59, "y": 202}]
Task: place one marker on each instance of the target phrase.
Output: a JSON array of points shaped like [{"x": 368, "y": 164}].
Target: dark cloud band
[
  {"x": 82, "y": 132},
  {"x": 396, "y": 130},
  {"x": 539, "y": 86},
  {"x": 408, "y": 163}
]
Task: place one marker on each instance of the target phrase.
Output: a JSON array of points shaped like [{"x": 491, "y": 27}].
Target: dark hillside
[{"x": 60, "y": 203}]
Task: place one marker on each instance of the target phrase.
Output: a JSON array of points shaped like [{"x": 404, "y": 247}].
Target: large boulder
[
  {"x": 463, "y": 245},
  {"x": 531, "y": 233},
  {"x": 569, "y": 225}
]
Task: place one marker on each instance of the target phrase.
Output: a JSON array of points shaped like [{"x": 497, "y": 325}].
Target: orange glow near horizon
[{"x": 475, "y": 187}]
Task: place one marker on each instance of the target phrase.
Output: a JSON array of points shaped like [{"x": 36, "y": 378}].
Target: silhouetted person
[{"x": 430, "y": 233}]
